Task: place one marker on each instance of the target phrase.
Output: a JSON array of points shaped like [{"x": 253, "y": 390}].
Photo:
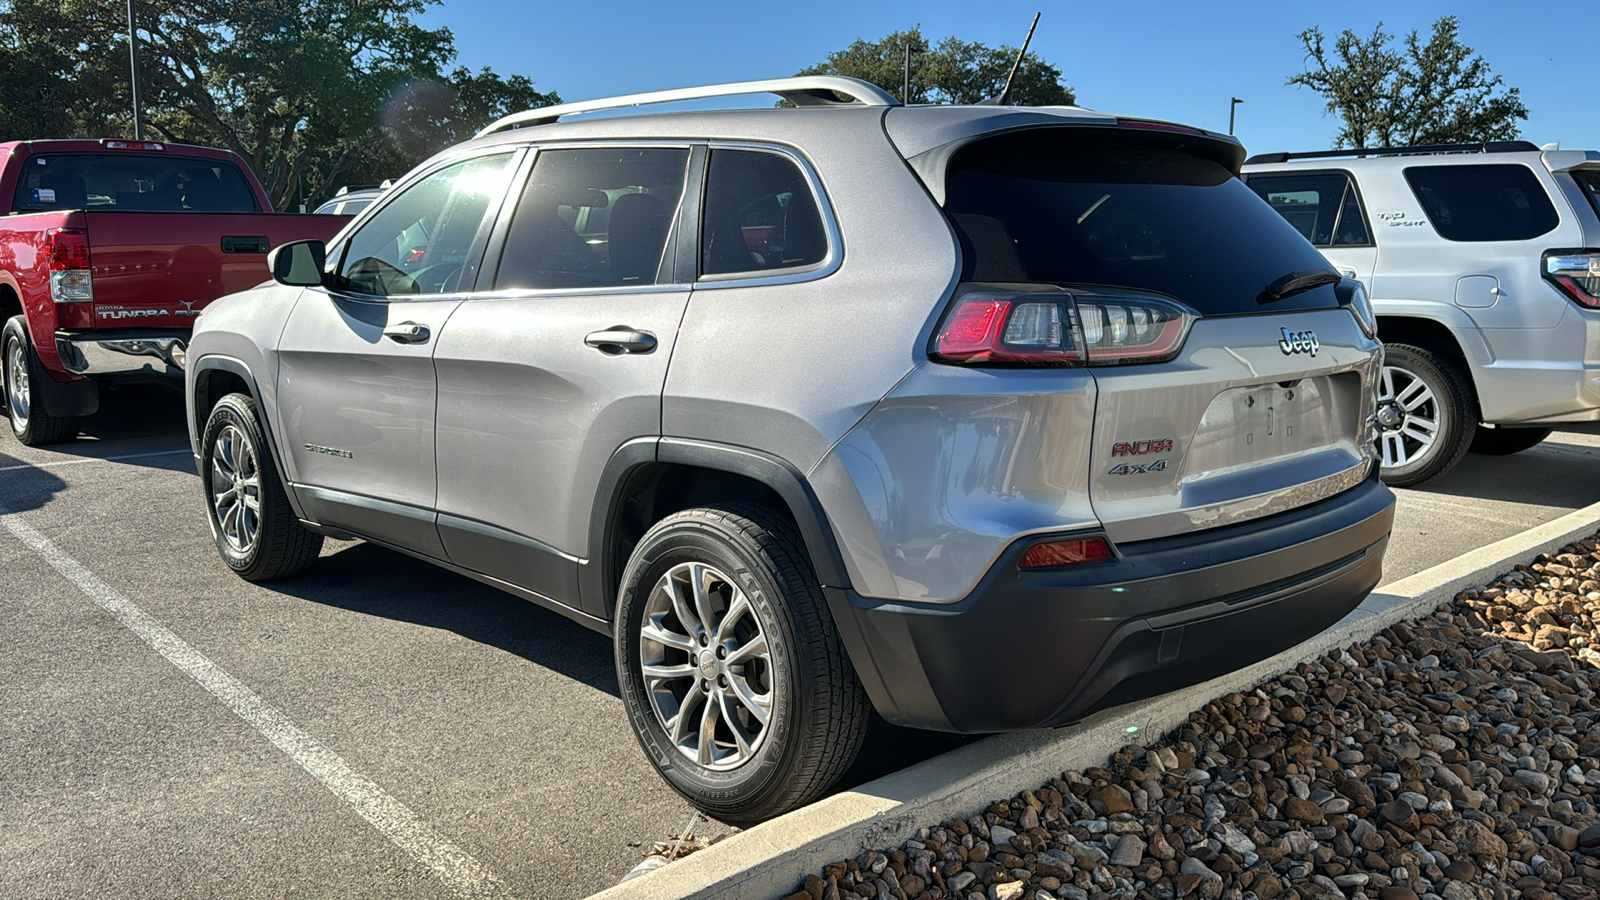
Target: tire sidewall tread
[
  {"x": 43, "y": 428},
  {"x": 284, "y": 546}
]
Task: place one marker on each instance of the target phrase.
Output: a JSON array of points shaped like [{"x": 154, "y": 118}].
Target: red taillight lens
[
  {"x": 132, "y": 145},
  {"x": 67, "y": 248},
  {"x": 1065, "y": 553},
  {"x": 1060, "y": 329},
  {"x": 1576, "y": 273}
]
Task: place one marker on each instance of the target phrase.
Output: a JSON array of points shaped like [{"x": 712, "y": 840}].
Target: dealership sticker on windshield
[{"x": 44, "y": 195}]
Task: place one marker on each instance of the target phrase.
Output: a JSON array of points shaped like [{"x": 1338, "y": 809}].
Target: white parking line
[
  {"x": 90, "y": 459},
  {"x": 464, "y": 875}
]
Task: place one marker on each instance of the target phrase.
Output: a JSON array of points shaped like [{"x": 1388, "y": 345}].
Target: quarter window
[
  {"x": 760, "y": 215},
  {"x": 1483, "y": 203},
  {"x": 1323, "y": 207},
  {"x": 1590, "y": 182},
  {"x": 421, "y": 241},
  {"x": 593, "y": 218}
]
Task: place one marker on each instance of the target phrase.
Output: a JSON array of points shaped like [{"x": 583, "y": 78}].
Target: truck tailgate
[{"x": 162, "y": 268}]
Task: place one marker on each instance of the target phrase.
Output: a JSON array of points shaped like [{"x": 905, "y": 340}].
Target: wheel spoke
[
  {"x": 225, "y": 498},
  {"x": 678, "y": 728},
  {"x": 686, "y": 618},
  {"x": 1415, "y": 394},
  {"x": 708, "y": 733},
  {"x": 760, "y": 705},
  {"x": 698, "y": 574},
  {"x": 653, "y": 630},
  {"x": 1394, "y": 449},
  {"x": 738, "y": 606},
  {"x": 1388, "y": 386},
  {"x": 668, "y": 673},
  {"x": 756, "y": 646},
  {"x": 730, "y": 716}
]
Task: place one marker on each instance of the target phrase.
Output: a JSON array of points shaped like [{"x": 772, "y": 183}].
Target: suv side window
[
  {"x": 760, "y": 215},
  {"x": 1590, "y": 182},
  {"x": 596, "y": 217},
  {"x": 419, "y": 242},
  {"x": 1324, "y": 207},
  {"x": 1483, "y": 203}
]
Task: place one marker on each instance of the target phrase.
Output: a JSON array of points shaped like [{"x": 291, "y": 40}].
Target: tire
[
  {"x": 31, "y": 421},
  {"x": 1506, "y": 441},
  {"x": 817, "y": 711},
  {"x": 1427, "y": 415},
  {"x": 259, "y": 541}
]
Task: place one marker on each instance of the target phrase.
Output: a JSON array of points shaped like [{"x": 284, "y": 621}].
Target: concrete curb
[{"x": 771, "y": 859}]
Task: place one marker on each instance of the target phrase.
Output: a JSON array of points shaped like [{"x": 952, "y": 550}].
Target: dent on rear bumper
[{"x": 1164, "y": 615}]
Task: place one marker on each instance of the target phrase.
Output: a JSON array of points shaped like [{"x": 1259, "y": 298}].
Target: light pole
[
  {"x": 133, "y": 65},
  {"x": 1231, "y": 108}
]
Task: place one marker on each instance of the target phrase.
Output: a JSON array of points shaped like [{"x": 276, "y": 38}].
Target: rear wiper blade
[{"x": 1298, "y": 282}]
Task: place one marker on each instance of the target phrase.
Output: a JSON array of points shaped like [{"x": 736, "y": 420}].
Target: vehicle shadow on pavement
[
  {"x": 25, "y": 489},
  {"x": 1551, "y": 474}
]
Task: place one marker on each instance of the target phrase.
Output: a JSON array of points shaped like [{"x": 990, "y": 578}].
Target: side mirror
[{"x": 299, "y": 263}]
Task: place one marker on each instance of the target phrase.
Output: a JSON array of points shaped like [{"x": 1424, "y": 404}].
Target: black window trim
[
  {"x": 669, "y": 277},
  {"x": 830, "y": 262},
  {"x": 340, "y": 244},
  {"x": 1351, "y": 183},
  {"x": 1405, "y": 175}
]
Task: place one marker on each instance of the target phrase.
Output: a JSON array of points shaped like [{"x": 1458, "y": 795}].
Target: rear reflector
[
  {"x": 1576, "y": 273},
  {"x": 1065, "y": 553}
]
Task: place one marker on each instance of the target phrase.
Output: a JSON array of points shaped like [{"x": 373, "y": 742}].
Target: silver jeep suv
[
  {"x": 984, "y": 417},
  {"x": 1483, "y": 263}
]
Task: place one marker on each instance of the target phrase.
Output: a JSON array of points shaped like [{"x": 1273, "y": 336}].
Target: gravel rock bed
[{"x": 1447, "y": 758}]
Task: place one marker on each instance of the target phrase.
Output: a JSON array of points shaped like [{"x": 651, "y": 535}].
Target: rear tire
[
  {"x": 698, "y": 716},
  {"x": 1427, "y": 415},
  {"x": 256, "y": 530},
  {"x": 1493, "y": 441},
  {"x": 31, "y": 422}
]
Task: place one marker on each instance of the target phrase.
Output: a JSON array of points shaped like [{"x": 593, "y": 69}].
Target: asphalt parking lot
[{"x": 379, "y": 727}]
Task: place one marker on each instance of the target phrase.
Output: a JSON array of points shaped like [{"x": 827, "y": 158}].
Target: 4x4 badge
[{"x": 1299, "y": 342}]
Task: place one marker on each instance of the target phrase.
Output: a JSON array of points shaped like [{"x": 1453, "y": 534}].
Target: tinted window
[
  {"x": 1483, "y": 203},
  {"x": 1056, "y": 207},
  {"x": 145, "y": 180},
  {"x": 760, "y": 215},
  {"x": 1590, "y": 182},
  {"x": 419, "y": 242},
  {"x": 593, "y": 218},
  {"x": 1324, "y": 208}
]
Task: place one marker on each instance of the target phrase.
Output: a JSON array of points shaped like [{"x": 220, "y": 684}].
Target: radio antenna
[{"x": 1005, "y": 93}]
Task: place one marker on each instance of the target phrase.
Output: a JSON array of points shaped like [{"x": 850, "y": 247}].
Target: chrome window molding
[{"x": 829, "y": 263}]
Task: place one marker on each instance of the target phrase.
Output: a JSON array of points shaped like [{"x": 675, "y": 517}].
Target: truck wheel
[
  {"x": 731, "y": 669},
  {"x": 1426, "y": 415},
  {"x": 1493, "y": 441},
  {"x": 31, "y": 422},
  {"x": 256, "y": 530}
]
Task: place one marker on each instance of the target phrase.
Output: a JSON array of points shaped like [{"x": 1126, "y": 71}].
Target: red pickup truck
[{"x": 108, "y": 251}]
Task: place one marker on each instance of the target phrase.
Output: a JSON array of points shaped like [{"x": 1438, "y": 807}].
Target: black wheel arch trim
[
  {"x": 599, "y": 586},
  {"x": 238, "y": 367}
]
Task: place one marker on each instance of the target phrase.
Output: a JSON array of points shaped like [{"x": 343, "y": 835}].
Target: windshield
[
  {"x": 132, "y": 180},
  {"x": 1067, "y": 206}
]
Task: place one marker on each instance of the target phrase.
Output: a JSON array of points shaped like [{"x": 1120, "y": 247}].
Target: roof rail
[
  {"x": 804, "y": 90},
  {"x": 1479, "y": 147}
]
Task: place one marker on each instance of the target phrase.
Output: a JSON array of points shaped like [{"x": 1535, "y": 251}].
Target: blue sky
[{"x": 1161, "y": 59}]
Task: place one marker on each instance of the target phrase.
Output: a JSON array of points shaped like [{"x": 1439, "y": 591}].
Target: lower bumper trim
[{"x": 144, "y": 354}]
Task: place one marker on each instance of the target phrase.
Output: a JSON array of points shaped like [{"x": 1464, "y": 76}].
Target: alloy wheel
[
  {"x": 236, "y": 489},
  {"x": 707, "y": 666},
  {"x": 17, "y": 395},
  {"x": 1409, "y": 417}
]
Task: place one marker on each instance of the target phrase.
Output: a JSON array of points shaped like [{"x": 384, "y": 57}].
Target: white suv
[{"x": 1483, "y": 265}]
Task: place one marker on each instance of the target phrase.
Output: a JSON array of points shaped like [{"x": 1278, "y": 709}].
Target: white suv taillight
[
  {"x": 67, "y": 249},
  {"x": 1061, "y": 329},
  {"x": 1576, "y": 273}
]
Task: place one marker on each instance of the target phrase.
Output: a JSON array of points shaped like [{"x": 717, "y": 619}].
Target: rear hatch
[{"x": 1216, "y": 403}]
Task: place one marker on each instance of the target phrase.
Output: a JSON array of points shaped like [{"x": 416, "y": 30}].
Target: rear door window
[
  {"x": 133, "y": 180},
  {"x": 1075, "y": 207},
  {"x": 1590, "y": 182},
  {"x": 760, "y": 215},
  {"x": 1483, "y": 203},
  {"x": 1324, "y": 207}
]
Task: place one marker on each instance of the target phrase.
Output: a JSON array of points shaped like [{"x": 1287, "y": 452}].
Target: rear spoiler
[{"x": 1571, "y": 160}]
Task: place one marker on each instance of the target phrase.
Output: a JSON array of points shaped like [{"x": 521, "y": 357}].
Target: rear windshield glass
[
  {"x": 132, "y": 180},
  {"x": 1483, "y": 203},
  {"x": 1055, "y": 207}
]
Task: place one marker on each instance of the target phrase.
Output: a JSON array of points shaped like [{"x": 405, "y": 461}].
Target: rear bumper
[
  {"x": 1046, "y": 648},
  {"x": 124, "y": 352}
]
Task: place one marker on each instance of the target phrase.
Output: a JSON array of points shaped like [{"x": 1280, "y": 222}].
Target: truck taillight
[
  {"x": 1061, "y": 329},
  {"x": 132, "y": 145},
  {"x": 1576, "y": 273},
  {"x": 67, "y": 249}
]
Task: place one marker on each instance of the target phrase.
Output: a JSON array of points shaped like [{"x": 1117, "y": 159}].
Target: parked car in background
[
  {"x": 942, "y": 380},
  {"x": 351, "y": 199},
  {"x": 1483, "y": 265},
  {"x": 109, "y": 250}
]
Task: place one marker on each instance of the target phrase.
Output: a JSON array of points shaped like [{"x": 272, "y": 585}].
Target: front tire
[
  {"x": 1506, "y": 441},
  {"x": 1427, "y": 415},
  {"x": 31, "y": 422},
  {"x": 732, "y": 672},
  {"x": 256, "y": 530}
]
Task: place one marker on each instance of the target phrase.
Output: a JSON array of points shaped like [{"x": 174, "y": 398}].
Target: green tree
[
  {"x": 312, "y": 93},
  {"x": 1422, "y": 93},
  {"x": 953, "y": 71}
]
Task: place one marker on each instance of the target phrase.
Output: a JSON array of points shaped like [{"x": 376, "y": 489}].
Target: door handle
[
  {"x": 621, "y": 339},
  {"x": 407, "y": 333}
]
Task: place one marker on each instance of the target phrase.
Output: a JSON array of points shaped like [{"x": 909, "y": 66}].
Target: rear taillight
[
  {"x": 1576, "y": 273},
  {"x": 1061, "y": 329},
  {"x": 1050, "y": 554},
  {"x": 132, "y": 145},
  {"x": 67, "y": 250}
]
